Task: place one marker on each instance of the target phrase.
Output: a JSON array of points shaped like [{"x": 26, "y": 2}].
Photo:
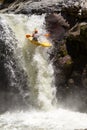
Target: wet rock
[
  {"x": 69, "y": 55},
  {"x": 29, "y": 7},
  {"x": 77, "y": 49},
  {"x": 70, "y": 82},
  {"x": 84, "y": 77},
  {"x": 76, "y": 39},
  {"x": 71, "y": 13},
  {"x": 57, "y": 26},
  {"x": 39, "y": 6},
  {"x": 74, "y": 14}
]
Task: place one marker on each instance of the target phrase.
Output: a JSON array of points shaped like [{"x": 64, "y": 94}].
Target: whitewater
[{"x": 44, "y": 112}]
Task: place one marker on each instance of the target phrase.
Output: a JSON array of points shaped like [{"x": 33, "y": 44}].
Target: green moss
[
  {"x": 83, "y": 32},
  {"x": 68, "y": 62},
  {"x": 63, "y": 50}
]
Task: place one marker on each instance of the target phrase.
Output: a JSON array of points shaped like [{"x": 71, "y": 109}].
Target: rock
[
  {"x": 76, "y": 44},
  {"x": 39, "y": 6},
  {"x": 74, "y": 14},
  {"x": 30, "y": 7},
  {"x": 70, "y": 79},
  {"x": 84, "y": 77},
  {"x": 77, "y": 49},
  {"x": 70, "y": 82},
  {"x": 57, "y": 26}
]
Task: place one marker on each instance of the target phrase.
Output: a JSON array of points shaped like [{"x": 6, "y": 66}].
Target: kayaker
[{"x": 35, "y": 35}]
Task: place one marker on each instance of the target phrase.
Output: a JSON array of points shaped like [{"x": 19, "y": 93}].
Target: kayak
[{"x": 43, "y": 44}]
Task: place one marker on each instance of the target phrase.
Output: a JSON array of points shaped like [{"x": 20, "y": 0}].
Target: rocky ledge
[{"x": 38, "y": 6}]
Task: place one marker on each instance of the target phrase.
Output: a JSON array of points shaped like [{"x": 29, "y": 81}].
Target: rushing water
[
  {"x": 51, "y": 120},
  {"x": 35, "y": 61}
]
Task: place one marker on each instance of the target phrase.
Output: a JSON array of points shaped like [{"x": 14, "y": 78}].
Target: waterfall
[{"x": 34, "y": 59}]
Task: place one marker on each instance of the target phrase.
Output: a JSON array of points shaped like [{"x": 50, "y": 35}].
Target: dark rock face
[
  {"x": 57, "y": 26},
  {"x": 13, "y": 80},
  {"x": 69, "y": 56},
  {"x": 74, "y": 14},
  {"x": 76, "y": 46},
  {"x": 71, "y": 14}
]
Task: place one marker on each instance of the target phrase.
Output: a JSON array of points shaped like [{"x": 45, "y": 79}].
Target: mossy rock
[
  {"x": 76, "y": 42},
  {"x": 83, "y": 32}
]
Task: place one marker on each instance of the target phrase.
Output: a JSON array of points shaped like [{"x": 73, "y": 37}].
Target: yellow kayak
[{"x": 43, "y": 44}]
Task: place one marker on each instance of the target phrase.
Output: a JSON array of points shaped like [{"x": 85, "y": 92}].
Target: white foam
[{"x": 52, "y": 120}]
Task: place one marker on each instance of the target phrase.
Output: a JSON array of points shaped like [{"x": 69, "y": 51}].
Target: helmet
[{"x": 36, "y": 31}]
